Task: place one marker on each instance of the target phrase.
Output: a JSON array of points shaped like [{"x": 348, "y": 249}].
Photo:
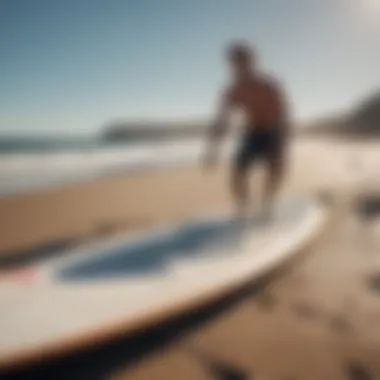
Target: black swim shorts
[{"x": 258, "y": 144}]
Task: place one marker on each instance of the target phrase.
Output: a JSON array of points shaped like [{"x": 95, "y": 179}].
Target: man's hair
[{"x": 239, "y": 50}]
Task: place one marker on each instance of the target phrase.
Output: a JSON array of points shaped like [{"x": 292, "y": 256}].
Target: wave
[{"x": 24, "y": 172}]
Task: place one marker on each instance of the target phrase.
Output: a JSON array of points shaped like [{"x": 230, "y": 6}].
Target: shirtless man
[{"x": 262, "y": 102}]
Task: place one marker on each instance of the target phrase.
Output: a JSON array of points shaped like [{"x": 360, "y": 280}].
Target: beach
[
  {"x": 319, "y": 320},
  {"x": 131, "y": 201}
]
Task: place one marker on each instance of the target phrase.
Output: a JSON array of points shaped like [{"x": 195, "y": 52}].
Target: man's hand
[
  {"x": 217, "y": 130},
  {"x": 209, "y": 160}
]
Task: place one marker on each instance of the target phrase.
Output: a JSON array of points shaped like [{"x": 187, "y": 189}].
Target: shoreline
[
  {"x": 26, "y": 174},
  {"x": 121, "y": 203}
]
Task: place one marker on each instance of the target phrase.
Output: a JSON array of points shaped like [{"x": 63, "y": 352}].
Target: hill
[
  {"x": 362, "y": 120},
  {"x": 138, "y": 131}
]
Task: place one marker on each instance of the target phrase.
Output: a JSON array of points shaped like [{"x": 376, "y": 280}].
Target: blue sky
[{"x": 68, "y": 66}]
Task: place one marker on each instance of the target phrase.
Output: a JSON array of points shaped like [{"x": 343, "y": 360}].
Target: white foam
[{"x": 25, "y": 172}]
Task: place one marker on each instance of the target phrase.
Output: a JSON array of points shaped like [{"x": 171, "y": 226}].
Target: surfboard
[{"x": 99, "y": 291}]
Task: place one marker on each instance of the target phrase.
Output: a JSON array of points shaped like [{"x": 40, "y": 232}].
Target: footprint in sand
[
  {"x": 306, "y": 311},
  {"x": 266, "y": 301},
  {"x": 340, "y": 323},
  {"x": 219, "y": 369},
  {"x": 356, "y": 371},
  {"x": 373, "y": 282}
]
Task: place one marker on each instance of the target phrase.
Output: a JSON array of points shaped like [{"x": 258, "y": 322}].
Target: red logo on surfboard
[{"x": 24, "y": 276}]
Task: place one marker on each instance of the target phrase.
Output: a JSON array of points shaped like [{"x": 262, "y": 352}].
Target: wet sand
[{"x": 319, "y": 320}]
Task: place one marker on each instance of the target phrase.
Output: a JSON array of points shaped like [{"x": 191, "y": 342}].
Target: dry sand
[{"x": 319, "y": 321}]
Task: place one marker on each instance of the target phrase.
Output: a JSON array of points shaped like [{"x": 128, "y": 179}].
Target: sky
[{"x": 70, "y": 66}]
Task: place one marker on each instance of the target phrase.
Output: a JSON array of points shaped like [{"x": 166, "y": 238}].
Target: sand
[
  {"x": 141, "y": 200},
  {"x": 320, "y": 320}
]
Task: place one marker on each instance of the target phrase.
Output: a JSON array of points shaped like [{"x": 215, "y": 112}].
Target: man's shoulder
[
  {"x": 230, "y": 87},
  {"x": 229, "y": 91},
  {"x": 270, "y": 81}
]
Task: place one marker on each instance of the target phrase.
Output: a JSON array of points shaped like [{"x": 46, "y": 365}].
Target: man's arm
[
  {"x": 219, "y": 126},
  {"x": 282, "y": 109}
]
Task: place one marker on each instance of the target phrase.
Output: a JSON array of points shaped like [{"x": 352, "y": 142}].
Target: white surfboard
[{"x": 91, "y": 294}]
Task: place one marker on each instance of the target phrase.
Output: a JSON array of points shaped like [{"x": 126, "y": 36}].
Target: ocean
[{"x": 30, "y": 164}]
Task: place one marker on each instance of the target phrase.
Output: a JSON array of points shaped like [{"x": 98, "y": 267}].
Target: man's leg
[
  {"x": 275, "y": 176},
  {"x": 239, "y": 184},
  {"x": 240, "y": 189}
]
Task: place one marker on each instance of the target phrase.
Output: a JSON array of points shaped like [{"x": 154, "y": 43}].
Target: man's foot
[
  {"x": 242, "y": 219},
  {"x": 266, "y": 214}
]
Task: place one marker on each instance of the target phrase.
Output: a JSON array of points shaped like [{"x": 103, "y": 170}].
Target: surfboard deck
[{"x": 89, "y": 295}]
